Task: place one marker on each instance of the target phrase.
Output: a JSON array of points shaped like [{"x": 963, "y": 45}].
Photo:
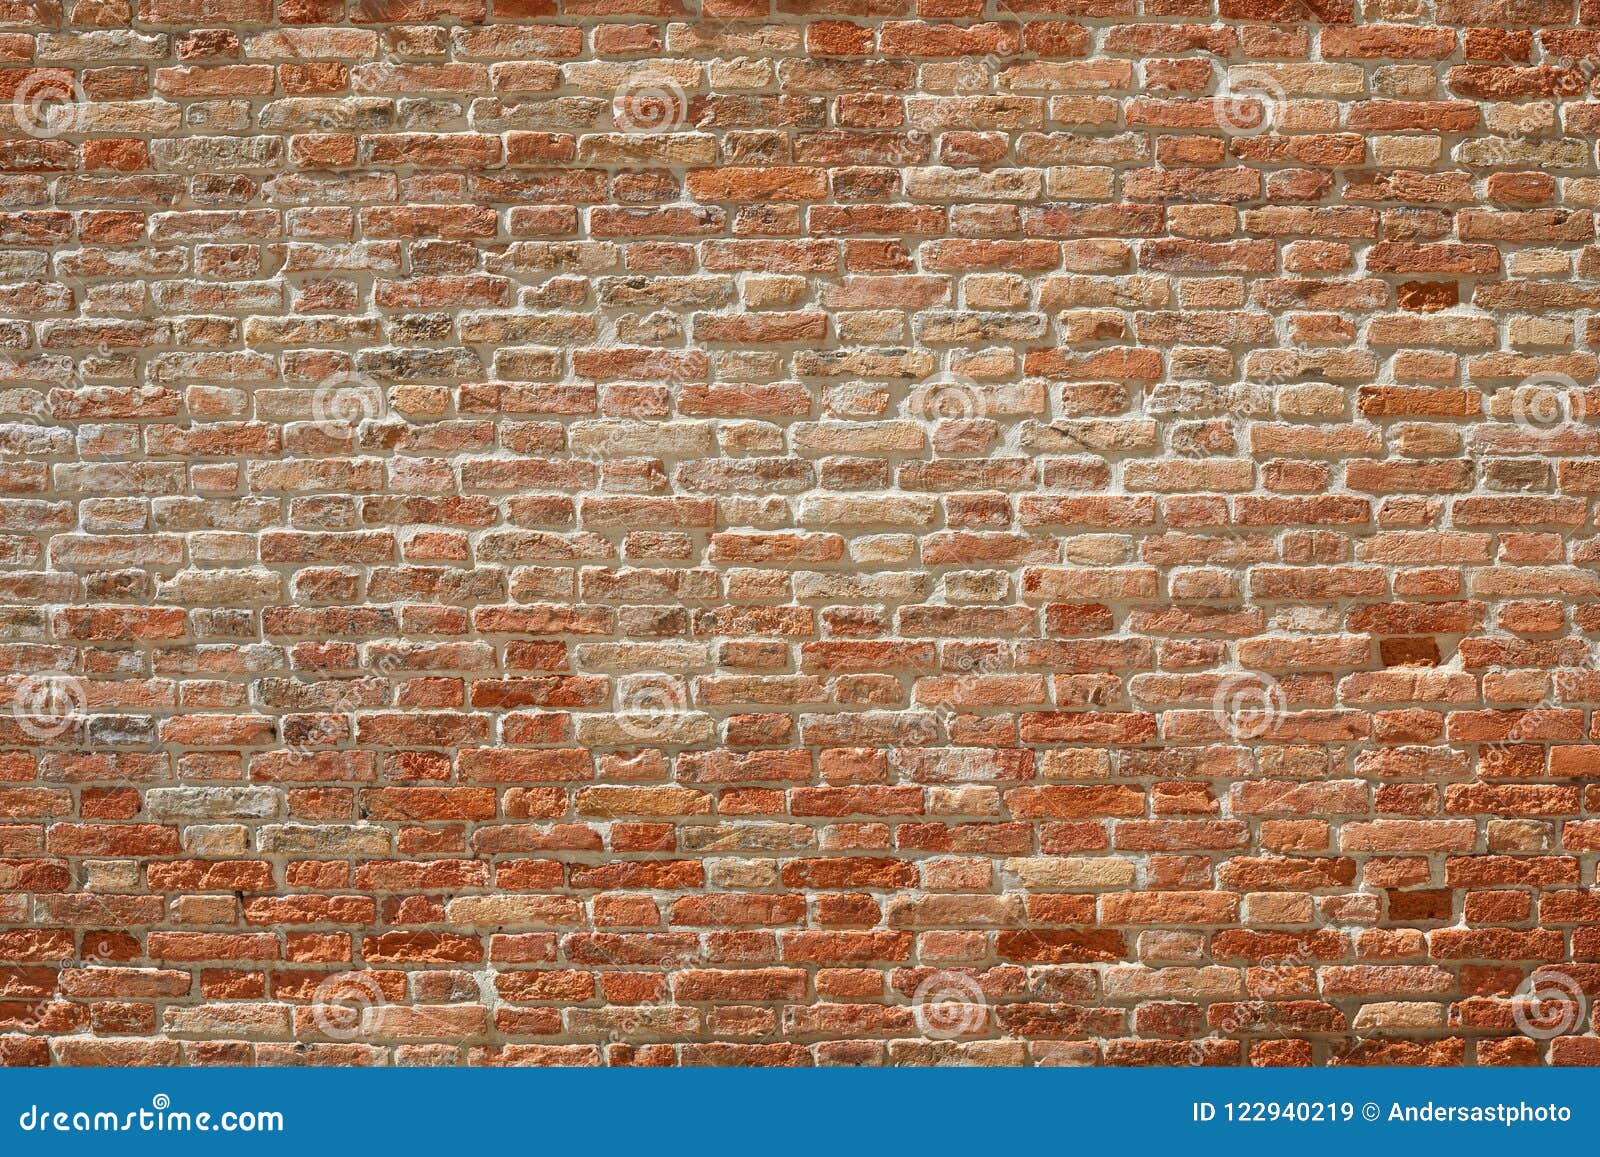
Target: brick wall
[{"x": 851, "y": 531}]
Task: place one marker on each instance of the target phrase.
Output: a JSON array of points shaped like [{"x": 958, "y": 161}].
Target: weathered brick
[{"x": 582, "y": 534}]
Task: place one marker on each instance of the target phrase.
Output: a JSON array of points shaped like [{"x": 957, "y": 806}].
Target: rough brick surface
[{"x": 811, "y": 532}]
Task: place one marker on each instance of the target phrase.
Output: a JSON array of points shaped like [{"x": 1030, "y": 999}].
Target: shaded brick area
[{"x": 716, "y": 531}]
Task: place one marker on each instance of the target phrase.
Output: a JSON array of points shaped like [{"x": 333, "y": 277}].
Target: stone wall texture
[{"x": 799, "y": 532}]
